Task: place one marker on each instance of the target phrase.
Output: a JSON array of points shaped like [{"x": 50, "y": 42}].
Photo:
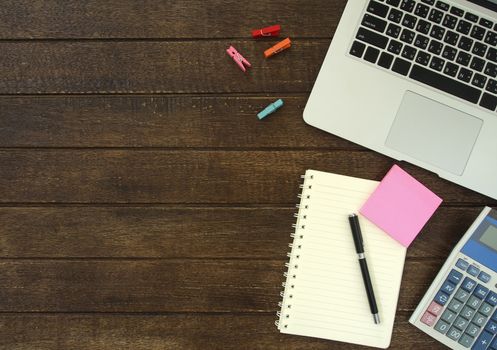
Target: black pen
[{"x": 359, "y": 247}]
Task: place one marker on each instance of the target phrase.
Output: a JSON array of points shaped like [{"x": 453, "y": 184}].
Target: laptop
[{"x": 416, "y": 80}]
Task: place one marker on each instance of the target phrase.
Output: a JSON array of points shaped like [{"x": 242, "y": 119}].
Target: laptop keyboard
[{"x": 433, "y": 43}]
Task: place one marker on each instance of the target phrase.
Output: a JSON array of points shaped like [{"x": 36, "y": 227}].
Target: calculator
[{"x": 459, "y": 308}]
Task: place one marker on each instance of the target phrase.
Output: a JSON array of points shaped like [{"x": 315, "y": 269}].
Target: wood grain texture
[
  {"x": 170, "y": 285},
  {"x": 155, "y": 67},
  {"x": 158, "y": 121},
  {"x": 173, "y": 19},
  {"x": 162, "y": 232},
  {"x": 158, "y": 332},
  {"x": 124, "y": 176}
]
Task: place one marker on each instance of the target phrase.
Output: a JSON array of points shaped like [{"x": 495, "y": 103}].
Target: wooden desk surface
[{"x": 142, "y": 204}]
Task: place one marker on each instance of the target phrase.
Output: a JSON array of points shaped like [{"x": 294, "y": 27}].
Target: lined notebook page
[{"x": 324, "y": 295}]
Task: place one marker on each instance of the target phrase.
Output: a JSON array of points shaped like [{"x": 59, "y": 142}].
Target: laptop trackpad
[{"x": 434, "y": 133}]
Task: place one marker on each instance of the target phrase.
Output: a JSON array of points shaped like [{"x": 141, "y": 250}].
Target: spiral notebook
[{"x": 324, "y": 293}]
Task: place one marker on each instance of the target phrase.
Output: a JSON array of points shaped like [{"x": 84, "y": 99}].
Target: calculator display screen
[{"x": 489, "y": 237}]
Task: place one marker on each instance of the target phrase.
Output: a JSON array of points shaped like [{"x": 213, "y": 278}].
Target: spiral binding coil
[{"x": 294, "y": 256}]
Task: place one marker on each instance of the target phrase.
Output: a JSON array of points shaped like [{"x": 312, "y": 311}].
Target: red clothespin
[
  {"x": 239, "y": 59},
  {"x": 282, "y": 45},
  {"x": 268, "y": 31}
]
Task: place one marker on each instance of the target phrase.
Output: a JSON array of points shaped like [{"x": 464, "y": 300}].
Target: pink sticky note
[{"x": 401, "y": 206}]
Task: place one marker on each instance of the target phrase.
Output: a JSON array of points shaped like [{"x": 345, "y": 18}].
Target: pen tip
[
  {"x": 352, "y": 215},
  {"x": 376, "y": 318}
]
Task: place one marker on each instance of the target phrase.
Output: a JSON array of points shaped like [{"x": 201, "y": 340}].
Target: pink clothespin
[{"x": 239, "y": 59}]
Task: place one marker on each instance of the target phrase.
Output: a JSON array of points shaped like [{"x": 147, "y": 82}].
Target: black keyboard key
[
  {"x": 479, "y": 49},
  {"x": 486, "y": 23},
  {"x": 489, "y": 102},
  {"x": 407, "y": 36},
  {"x": 421, "y": 41},
  {"x": 437, "y": 63},
  {"x": 449, "y": 21},
  {"x": 409, "y": 52},
  {"x": 442, "y": 6},
  {"x": 492, "y": 86},
  {"x": 463, "y": 27},
  {"x": 377, "y": 8},
  {"x": 492, "y": 54},
  {"x": 446, "y": 84},
  {"x": 471, "y": 17},
  {"x": 478, "y": 32},
  {"x": 456, "y": 11},
  {"x": 357, "y": 49},
  {"x": 395, "y": 47},
  {"x": 423, "y": 58},
  {"x": 429, "y": 2},
  {"x": 423, "y": 26},
  {"x": 491, "y": 38},
  {"x": 401, "y": 66},
  {"x": 436, "y": 16},
  {"x": 374, "y": 23},
  {"x": 393, "y": 30},
  {"x": 407, "y": 5},
  {"x": 372, "y": 38},
  {"x": 449, "y": 53},
  {"x": 463, "y": 58},
  {"x": 479, "y": 80},
  {"x": 477, "y": 64},
  {"x": 451, "y": 69},
  {"x": 385, "y": 60},
  {"x": 451, "y": 38},
  {"x": 395, "y": 15},
  {"x": 393, "y": 2},
  {"x": 465, "y": 43},
  {"x": 437, "y": 32},
  {"x": 465, "y": 75},
  {"x": 435, "y": 47},
  {"x": 491, "y": 69},
  {"x": 421, "y": 10},
  {"x": 371, "y": 54},
  {"x": 409, "y": 21}
]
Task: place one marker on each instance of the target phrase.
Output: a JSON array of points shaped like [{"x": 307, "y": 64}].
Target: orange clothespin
[{"x": 282, "y": 45}]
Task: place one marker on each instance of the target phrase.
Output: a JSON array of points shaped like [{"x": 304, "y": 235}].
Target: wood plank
[
  {"x": 181, "y": 285},
  {"x": 161, "y": 232},
  {"x": 157, "y": 121},
  {"x": 28, "y": 19},
  {"x": 155, "y": 67},
  {"x": 154, "y": 332},
  {"x": 151, "y": 176}
]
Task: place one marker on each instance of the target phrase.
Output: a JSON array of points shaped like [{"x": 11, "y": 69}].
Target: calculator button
[
  {"x": 441, "y": 298},
  {"x": 448, "y": 287},
  {"x": 484, "y": 277},
  {"x": 483, "y": 341},
  {"x": 491, "y": 327},
  {"x": 462, "y": 295},
  {"x": 442, "y": 326},
  {"x": 493, "y": 344},
  {"x": 428, "y": 319},
  {"x": 472, "y": 330},
  {"x": 474, "y": 302},
  {"x": 468, "y": 284},
  {"x": 479, "y": 319},
  {"x": 455, "y": 305},
  {"x": 491, "y": 298},
  {"x": 473, "y": 270},
  {"x": 466, "y": 340},
  {"x": 454, "y": 333},
  {"x": 467, "y": 312},
  {"x": 494, "y": 316},
  {"x": 486, "y": 309},
  {"x": 461, "y": 322},
  {"x": 455, "y": 277},
  {"x": 448, "y": 316},
  {"x": 481, "y": 291},
  {"x": 463, "y": 265},
  {"x": 435, "y": 308}
]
